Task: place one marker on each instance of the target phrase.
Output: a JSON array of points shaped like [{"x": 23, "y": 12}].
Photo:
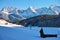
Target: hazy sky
[{"x": 26, "y": 3}]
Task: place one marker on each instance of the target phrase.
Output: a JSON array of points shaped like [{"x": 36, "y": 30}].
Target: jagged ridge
[{"x": 15, "y": 14}]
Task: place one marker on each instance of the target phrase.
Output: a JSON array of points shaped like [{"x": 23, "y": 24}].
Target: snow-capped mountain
[
  {"x": 30, "y": 12},
  {"x": 15, "y": 14},
  {"x": 55, "y": 8},
  {"x": 11, "y": 14},
  {"x": 45, "y": 11}
]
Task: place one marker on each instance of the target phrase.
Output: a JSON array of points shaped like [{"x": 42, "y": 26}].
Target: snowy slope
[
  {"x": 11, "y": 14},
  {"x": 7, "y": 24},
  {"x": 45, "y": 11},
  {"x": 30, "y": 12},
  {"x": 55, "y": 8}
]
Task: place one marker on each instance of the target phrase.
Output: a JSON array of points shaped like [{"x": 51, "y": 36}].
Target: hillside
[{"x": 42, "y": 21}]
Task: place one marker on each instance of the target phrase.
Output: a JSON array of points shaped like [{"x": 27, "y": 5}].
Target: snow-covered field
[
  {"x": 25, "y": 33},
  {"x": 7, "y": 24}
]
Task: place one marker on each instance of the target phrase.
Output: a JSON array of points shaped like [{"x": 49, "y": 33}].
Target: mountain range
[{"x": 15, "y": 14}]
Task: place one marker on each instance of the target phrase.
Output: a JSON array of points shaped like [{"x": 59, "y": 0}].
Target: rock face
[{"x": 42, "y": 21}]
